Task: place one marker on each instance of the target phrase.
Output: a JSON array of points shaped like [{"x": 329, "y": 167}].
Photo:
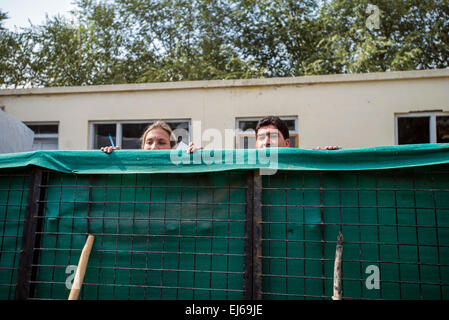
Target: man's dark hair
[{"x": 275, "y": 121}]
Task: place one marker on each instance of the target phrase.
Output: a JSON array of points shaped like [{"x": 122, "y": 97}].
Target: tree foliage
[
  {"x": 412, "y": 34},
  {"x": 130, "y": 41}
]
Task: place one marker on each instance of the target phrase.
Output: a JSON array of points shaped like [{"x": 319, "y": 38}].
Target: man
[{"x": 272, "y": 132}]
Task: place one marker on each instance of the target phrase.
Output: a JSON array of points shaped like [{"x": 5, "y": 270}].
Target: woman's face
[{"x": 157, "y": 139}]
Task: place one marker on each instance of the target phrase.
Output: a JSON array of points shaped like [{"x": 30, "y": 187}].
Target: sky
[{"x": 19, "y": 11}]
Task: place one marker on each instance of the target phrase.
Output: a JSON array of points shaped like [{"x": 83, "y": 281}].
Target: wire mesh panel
[
  {"x": 395, "y": 225},
  {"x": 157, "y": 236},
  {"x": 226, "y": 235},
  {"x": 13, "y": 199}
]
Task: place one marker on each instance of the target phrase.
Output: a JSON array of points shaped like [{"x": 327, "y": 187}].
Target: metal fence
[
  {"x": 395, "y": 222},
  {"x": 226, "y": 235},
  {"x": 14, "y": 197}
]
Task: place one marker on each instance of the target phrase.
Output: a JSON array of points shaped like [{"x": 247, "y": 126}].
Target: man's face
[{"x": 270, "y": 137}]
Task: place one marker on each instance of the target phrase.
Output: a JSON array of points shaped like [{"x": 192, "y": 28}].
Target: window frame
[
  {"x": 119, "y": 123},
  {"x": 239, "y": 133},
  {"x": 45, "y": 135},
  {"x": 432, "y": 123}
]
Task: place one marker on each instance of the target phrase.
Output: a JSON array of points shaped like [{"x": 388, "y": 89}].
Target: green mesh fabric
[
  {"x": 177, "y": 161},
  {"x": 396, "y": 220},
  {"x": 13, "y": 198},
  {"x": 156, "y": 236},
  {"x": 177, "y": 231}
]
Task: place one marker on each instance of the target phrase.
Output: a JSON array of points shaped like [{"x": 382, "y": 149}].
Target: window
[
  {"x": 415, "y": 128},
  {"x": 45, "y": 136},
  {"x": 126, "y": 134},
  {"x": 246, "y": 132}
]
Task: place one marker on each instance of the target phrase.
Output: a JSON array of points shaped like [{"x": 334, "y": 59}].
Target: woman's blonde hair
[{"x": 159, "y": 125}]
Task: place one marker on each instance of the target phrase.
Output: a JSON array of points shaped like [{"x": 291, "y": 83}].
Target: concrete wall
[{"x": 352, "y": 111}]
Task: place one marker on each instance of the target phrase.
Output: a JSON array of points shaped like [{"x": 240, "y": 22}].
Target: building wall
[{"x": 352, "y": 111}]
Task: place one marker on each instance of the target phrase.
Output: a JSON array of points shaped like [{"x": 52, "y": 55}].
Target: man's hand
[
  {"x": 109, "y": 149},
  {"x": 329, "y": 148},
  {"x": 192, "y": 148}
]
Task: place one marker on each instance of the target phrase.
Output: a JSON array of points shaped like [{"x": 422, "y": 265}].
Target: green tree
[
  {"x": 412, "y": 34},
  {"x": 84, "y": 50},
  {"x": 6, "y": 42},
  {"x": 189, "y": 39},
  {"x": 14, "y": 57},
  {"x": 129, "y": 41},
  {"x": 278, "y": 35}
]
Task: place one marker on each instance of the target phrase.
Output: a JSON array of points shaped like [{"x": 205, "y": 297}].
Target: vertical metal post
[
  {"x": 322, "y": 234},
  {"x": 30, "y": 227},
  {"x": 257, "y": 236},
  {"x": 248, "y": 269},
  {"x": 253, "y": 243}
]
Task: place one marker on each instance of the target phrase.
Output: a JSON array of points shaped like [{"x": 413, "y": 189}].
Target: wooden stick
[
  {"x": 81, "y": 269},
  {"x": 337, "y": 268}
]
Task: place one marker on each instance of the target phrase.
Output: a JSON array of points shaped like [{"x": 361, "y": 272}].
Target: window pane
[
  {"x": 293, "y": 141},
  {"x": 45, "y": 144},
  {"x": 247, "y": 142},
  {"x": 102, "y": 132},
  {"x": 43, "y": 128},
  {"x": 413, "y": 130},
  {"x": 181, "y": 130},
  {"x": 290, "y": 124},
  {"x": 250, "y": 142},
  {"x": 131, "y": 133},
  {"x": 251, "y": 124},
  {"x": 443, "y": 129},
  {"x": 248, "y": 125}
]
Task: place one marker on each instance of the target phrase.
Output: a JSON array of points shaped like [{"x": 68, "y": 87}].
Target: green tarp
[
  {"x": 177, "y": 161},
  {"x": 394, "y": 220},
  {"x": 168, "y": 228}
]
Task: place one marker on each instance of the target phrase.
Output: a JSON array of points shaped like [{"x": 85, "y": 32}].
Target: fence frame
[
  {"x": 27, "y": 274},
  {"x": 27, "y": 270},
  {"x": 31, "y": 226}
]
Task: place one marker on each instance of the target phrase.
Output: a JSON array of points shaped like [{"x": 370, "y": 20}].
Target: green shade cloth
[
  {"x": 393, "y": 221},
  {"x": 177, "y": 161},
  {"x": 160, "y": 234}
]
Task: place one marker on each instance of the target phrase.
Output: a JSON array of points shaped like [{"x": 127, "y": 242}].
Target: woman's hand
[
  {"x": 109, "y": 149},
  {"x": 192, "y": 148}
]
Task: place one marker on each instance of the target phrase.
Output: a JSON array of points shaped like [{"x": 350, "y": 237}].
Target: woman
[{"x": 157, "y": 136}]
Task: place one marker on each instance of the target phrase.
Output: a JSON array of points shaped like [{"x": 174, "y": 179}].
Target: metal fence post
[
  {"x": 322, "y": 224},
  {"x": 248, "y": 269},
  {"x": 253, "y": 243},
  {"x": 257, "y": 237},
  {"x": 30, "y": 227}
]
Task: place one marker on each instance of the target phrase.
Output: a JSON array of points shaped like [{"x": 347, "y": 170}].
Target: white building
[{"x": 352, "y": 111}]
